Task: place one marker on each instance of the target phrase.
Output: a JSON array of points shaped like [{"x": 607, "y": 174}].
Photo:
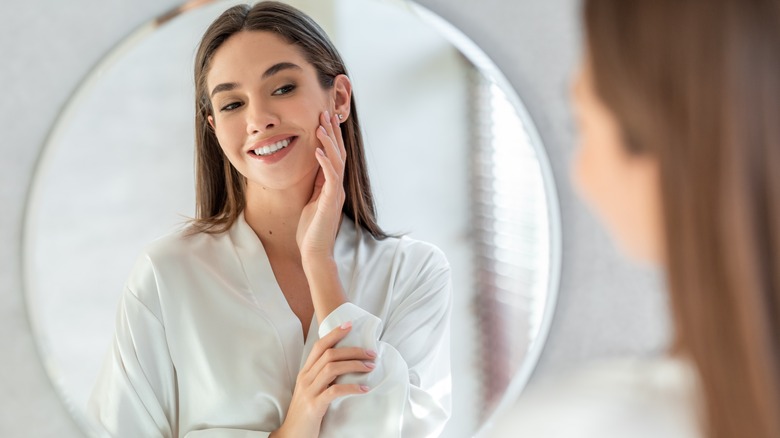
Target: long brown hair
[
  {"x": 220, "y": 188},
  {"x": 697, "y": 85}
]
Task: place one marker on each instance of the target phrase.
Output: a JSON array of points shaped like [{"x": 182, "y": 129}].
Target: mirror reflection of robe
[{"x": 207, "y": 346}]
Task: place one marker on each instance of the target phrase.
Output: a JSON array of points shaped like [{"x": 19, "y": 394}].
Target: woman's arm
[
  {"x": 410, "y": 388},
  {"x": 410, "y": 385},
  {"x": 315, "y": 387},
  {"x": 320, "y": 220}
]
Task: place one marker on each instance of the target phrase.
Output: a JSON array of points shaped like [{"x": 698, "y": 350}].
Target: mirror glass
[{"x": 452, "y": 154}]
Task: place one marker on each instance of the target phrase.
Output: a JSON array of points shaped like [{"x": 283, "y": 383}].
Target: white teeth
[{"x": 270, "y": 149}]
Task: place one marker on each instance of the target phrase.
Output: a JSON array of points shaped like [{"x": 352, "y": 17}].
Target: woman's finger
[
  {"x": 328, "y": 142},
  {"x": 326, "y": 120},
  {"x": 330, "y": 147},
  {"x": 327, "y": 168},
  {"x": 325, "y": 343},
  {"x": 332, "y": 157},
  {"x": 340, "y": 390},
  {"x": 335, "y": 354},
  {"x": 332, "y": 370},
  {"x": 339, "y": 137},
  {"x": 327, "y": 123},
  {"x": 333, "y": 129}
]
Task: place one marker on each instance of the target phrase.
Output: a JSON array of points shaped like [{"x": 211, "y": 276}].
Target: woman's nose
[{"x": 260, "y": 118}]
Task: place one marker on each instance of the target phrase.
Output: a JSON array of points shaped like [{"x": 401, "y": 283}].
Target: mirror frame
[
  {"x": 460, "y": 41},
  {"x": 487, "y": 67}
]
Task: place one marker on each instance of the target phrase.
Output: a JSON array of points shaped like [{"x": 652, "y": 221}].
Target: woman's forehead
[{"x": 250, "y": 51}]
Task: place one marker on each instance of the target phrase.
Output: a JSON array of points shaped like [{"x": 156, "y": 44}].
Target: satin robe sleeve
[
  {"x": 136, "y": 392},
  {"x": 410, "y": 388}
]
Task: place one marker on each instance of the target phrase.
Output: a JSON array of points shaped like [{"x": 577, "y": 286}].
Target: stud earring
[{"x": 341, "y": 116}]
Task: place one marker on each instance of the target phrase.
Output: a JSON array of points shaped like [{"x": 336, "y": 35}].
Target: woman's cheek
[
  {"x": 228, "y": 132},
  {"x": 595, "y": 181},
  {"x": 581, "y": 171}
]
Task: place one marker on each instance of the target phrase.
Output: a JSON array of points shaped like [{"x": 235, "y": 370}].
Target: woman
[
  {"x": 678, "y": 105},
  {"x": 283, "y": 310}
]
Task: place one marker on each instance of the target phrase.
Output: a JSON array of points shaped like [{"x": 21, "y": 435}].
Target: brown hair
[
  {"x": 697, "y": 85},
  {"x": 220, "y": 188}
]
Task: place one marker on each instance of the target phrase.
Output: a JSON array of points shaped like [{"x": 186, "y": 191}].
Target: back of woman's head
[
  {"x": 696, "y": 84},
  {"x": 219, "y": 186}
]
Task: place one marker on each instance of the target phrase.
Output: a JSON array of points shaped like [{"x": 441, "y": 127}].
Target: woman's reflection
[{"x": 283, "y": 309}]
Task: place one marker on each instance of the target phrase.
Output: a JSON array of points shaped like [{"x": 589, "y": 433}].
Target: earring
[{"x": 341, "y": 116}]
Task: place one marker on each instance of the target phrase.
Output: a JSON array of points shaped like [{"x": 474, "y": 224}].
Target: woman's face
[
  {"x": 267, "y": 101},
  {"x": 623, "y": 188}
]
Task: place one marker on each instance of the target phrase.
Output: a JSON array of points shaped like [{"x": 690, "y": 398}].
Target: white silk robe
[{"x": 207, "y": 346}]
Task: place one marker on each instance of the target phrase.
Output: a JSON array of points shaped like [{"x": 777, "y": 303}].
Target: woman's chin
[{"x": 283, "y": 181}]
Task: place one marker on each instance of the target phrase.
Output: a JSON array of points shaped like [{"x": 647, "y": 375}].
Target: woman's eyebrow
[
  {"x": 274, "y": 69},
  {"x": 223, "y": 87}
]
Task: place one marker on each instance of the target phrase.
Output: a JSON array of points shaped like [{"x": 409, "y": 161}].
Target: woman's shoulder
[
  {"x": 423, "y": 258},
  {"x": 179, "y": 249},
  {"x": 183, "y": 243},
  {"x": 615, "y": 398},
  {"x": 407, "y": 251}
]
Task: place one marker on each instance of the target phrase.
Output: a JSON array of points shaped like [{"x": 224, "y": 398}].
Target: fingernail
[
  {"x": 327, "y": 115},
  {"x": 364, "y": 388},
  {"x": 370, "y": 365},
  {"x": 346, "y": 325},
  {"x": 370, "y": 353},
  {"x": 320, "y": 151},
  {"x": 322, "y": 128}
]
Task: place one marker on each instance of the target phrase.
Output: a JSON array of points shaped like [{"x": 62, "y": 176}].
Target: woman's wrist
[
  {"x": 283, "y": 432},
  {"x": 317, "y": 262},
  {"x": 327, "y": 292}
]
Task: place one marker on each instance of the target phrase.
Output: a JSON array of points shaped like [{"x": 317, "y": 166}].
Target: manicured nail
[
  {"x": 347, "y": 324},
  {"x": 320, "y": 152},
  {"x": 370, "y": 365},
  {"x": 364, "y": 388},
  {"x": 327, "y": 115},
  {"x": 322, "y": 128},
  {"x": 370, "y": 353}
]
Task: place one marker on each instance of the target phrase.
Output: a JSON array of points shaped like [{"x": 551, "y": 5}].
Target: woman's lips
[
  {"x": 275, "y": 151},
  {"x": 272, "y": 147}
]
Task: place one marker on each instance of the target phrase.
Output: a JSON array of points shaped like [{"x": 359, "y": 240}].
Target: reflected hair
[
  {"x": 220, "y": 188},
  {"x": 696, "y": 85}
]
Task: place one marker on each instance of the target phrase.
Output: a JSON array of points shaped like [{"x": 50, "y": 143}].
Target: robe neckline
[{"x": 267, "y": 295}]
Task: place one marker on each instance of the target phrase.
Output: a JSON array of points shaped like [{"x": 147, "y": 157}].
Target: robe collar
[{"x": 265, "y": 292}]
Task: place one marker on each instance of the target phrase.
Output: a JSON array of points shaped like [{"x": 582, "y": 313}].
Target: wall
[{"x": 606, "y": 306}]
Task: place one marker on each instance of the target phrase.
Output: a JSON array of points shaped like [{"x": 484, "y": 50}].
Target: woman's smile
[{"x": 273, "y": 149}]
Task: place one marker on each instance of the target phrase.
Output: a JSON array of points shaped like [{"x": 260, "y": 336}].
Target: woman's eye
[
  {"x": 231, "y": 106},
  {"x": 284, "y": 90}
]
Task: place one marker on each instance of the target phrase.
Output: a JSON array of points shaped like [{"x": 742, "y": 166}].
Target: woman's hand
[
  {"x": 315, "y": 388},
  {"x": 320, "y": 218}
]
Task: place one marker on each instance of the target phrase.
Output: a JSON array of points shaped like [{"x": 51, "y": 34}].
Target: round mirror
[{"x": 452, "y": 153}]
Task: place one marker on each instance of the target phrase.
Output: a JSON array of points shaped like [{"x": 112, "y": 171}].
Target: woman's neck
[{"x": 274, "y": 216}]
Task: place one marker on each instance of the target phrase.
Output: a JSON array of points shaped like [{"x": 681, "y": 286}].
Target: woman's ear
[
  {"x": 342, "y": 96},
  {"x": 211, "y": 122}
]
